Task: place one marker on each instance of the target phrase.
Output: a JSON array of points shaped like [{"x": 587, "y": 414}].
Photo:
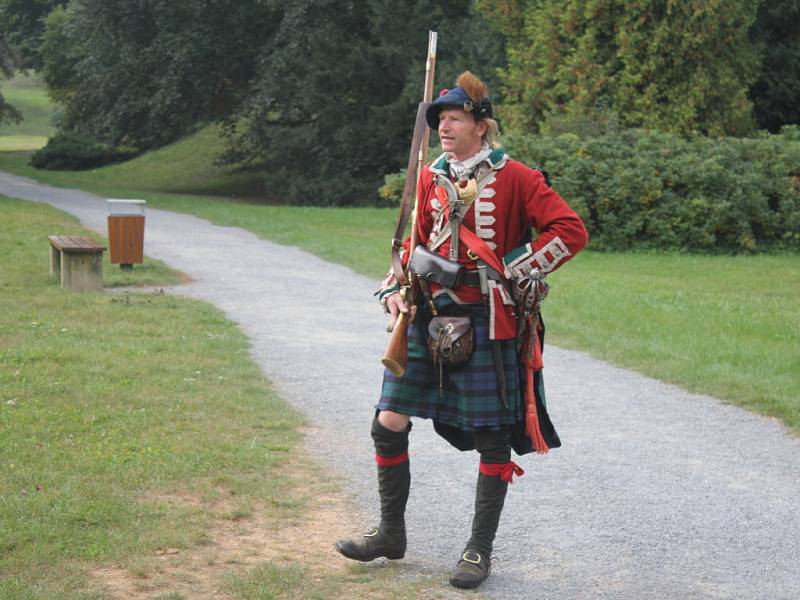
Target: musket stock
[{"x": 396, "y": 356}]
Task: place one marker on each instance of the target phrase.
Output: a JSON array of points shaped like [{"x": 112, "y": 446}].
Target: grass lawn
[
  {"x": 187, "y": 167},
  {"x": 142, "y": 451},
  {"x": 27, "y": 95},
  {"x": 10, "y": 143},
  {"x": 728, "y": 326}
]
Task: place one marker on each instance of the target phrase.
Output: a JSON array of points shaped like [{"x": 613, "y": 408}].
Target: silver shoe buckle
[{"x": 467, "y": 558}]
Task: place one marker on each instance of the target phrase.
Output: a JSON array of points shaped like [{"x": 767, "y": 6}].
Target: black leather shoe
[
  {"x": 373, "y": 544},
  {"x": 471, "y": 570}
]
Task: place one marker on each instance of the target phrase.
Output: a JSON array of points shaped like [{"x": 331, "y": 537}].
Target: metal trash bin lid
[{"x": 123, "y": 207}]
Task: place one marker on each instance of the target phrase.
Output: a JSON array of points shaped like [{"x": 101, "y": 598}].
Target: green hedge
[
  {"x": 76, "y": 152},
  {"x": 650, "y": 190}
]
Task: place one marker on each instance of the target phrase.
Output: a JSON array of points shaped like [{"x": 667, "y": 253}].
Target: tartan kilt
[{"x": 469, "y": 397}]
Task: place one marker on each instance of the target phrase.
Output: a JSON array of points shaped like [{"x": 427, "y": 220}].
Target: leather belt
[{"x": 472, "y": 278}]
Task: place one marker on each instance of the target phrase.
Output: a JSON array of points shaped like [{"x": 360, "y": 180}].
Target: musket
[{"x": 396, "y": 356}]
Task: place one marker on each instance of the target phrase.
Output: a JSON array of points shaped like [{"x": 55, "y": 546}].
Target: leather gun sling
[{"x": 409, "y": 193}]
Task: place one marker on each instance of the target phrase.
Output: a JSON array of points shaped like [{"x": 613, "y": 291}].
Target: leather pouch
[
  {"x": 434, "y": 268},
  {"x": 450, "y": 340}
]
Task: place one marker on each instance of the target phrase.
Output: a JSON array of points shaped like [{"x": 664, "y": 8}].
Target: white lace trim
[
  {"x": 483, "y": 210},
  {"x": 546, "y": 259}
]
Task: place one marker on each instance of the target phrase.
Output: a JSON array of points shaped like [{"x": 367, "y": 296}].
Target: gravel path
[{"x": 657, "y": 493}]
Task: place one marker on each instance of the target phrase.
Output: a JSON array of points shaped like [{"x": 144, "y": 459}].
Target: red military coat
[{"x": 512, "y": 199}]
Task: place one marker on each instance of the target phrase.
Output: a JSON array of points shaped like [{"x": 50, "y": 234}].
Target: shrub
[
  {"x": 649, "y": 190},
  {"x": 392, "y": 188},
  {"x": 640, "y": 190},
  {"x": 75, "y": 152}
]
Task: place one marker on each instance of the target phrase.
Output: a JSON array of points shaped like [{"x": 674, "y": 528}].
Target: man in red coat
[{"x": 476, "y": 210}]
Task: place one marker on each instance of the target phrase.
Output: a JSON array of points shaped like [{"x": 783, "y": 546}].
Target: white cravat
[{"x": 461, "y": 169}]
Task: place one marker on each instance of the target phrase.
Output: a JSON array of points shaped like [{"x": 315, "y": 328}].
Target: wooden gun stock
[{"x": 396, "y": 356}]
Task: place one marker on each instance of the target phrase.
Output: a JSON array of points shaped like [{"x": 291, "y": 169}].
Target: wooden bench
[{"x": 77, "y": 262}]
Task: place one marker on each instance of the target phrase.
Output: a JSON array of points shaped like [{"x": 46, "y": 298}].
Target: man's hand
[{"x": 396, "y": 305}]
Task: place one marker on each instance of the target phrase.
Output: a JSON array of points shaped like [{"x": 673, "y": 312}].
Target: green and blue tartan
[{"x": 469, "y": 397}]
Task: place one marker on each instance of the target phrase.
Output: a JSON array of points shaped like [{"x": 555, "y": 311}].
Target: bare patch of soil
[{"x": 236, "y": 542}]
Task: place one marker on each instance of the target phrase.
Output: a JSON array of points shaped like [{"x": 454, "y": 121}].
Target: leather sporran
[{"x": 450, "y": 340}]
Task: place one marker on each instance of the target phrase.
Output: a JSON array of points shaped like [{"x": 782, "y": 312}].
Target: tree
[
  {"x": 322, "y": 92},
  {"x": 7, "y": 112},
  {"x": 60, "y": 54},
  {"x": 332, "y": 113},
  {"x": 776, "y": 93},
  {"x": 674, "y": 65},
  {"x": 145, "y": 72},
  {"x": 22, "y": 25}
]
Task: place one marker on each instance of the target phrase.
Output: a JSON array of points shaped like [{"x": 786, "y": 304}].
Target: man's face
[{"x": 460, "y": 133}]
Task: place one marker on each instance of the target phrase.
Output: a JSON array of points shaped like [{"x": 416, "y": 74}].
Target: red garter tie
[
  {"x": 391, "y": 461},
  {"x": 506, "y": 471}
]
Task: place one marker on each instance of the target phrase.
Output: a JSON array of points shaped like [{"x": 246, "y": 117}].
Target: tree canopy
[
  {"x": 331, "y": 118},
  {"x": 7, "y": 112},
  {"x": 144, "y": 72},
  {"x": 21, "y": 25},
  {"x": 321, "y": 91},
  {"x": 671, "y": 65},
  {"x": 776, "y": 93},
  {"x": 320, "y": 94}
]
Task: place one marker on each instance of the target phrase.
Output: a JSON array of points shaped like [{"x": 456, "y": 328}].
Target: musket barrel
[
  {"x": 427, "y": 93},
  {"x": 427, "y": 96},
  {"x": 396, "y": 356}
]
